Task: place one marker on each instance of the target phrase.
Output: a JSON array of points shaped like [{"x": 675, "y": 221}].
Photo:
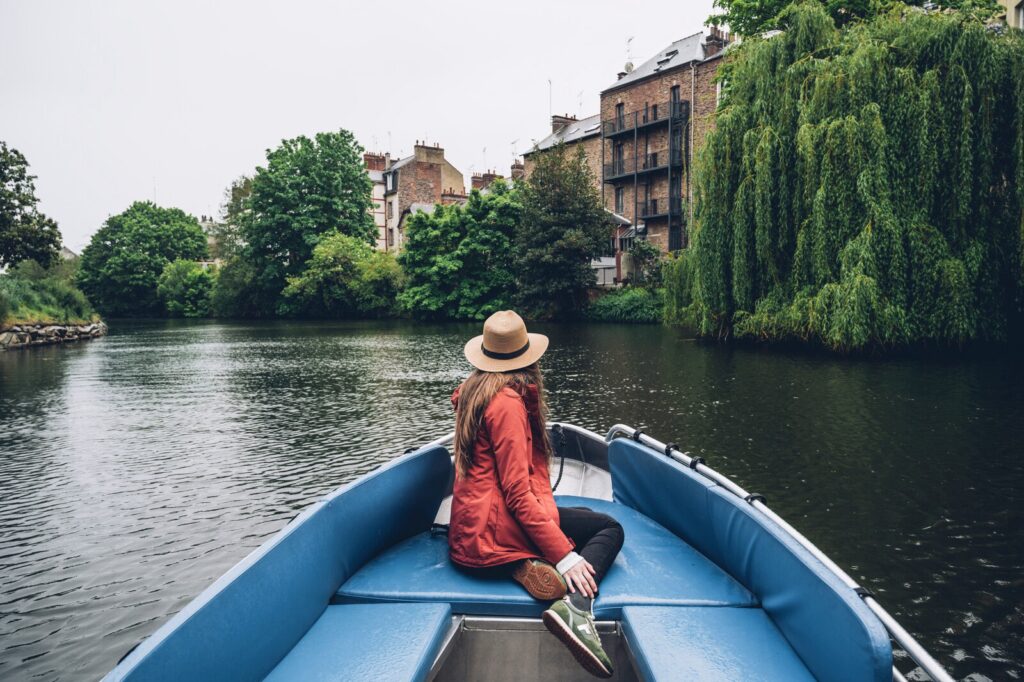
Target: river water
[{"x": 137, "y": 468}]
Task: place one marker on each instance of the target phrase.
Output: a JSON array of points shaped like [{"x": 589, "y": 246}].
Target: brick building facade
[
  {"x": 640, "y": 146},
  {"x": 654, "y": 120}
]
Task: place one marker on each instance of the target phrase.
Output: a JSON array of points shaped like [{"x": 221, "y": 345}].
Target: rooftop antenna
[
  {"x": 513, "y": 143},
  {"x": 579, "y": 100},
  {"x": 485, "y": 159},
  {"x": 389, "y": 140},
  {"x": 551, "y": 109},
  {"x": 629, "y": 54}
]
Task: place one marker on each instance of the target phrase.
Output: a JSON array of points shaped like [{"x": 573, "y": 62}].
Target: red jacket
[{"x": 503, "y": 509}]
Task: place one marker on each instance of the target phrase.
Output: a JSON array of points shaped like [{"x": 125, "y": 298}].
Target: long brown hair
[{"x": 474, "y": 396}]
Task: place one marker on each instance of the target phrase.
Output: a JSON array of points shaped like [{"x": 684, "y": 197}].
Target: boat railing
[{"x": 896, "y": 631}]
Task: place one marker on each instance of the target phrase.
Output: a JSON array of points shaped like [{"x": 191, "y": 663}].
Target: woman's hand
[{"x": 581, "y": 577}]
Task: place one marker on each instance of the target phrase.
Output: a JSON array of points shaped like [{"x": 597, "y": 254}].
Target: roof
[
  {"x": 682, "y": 51},
  {"x": 617, "y": 218},
  {"x": 574, "y": 132},
  {"x": 402, "y": 162}
]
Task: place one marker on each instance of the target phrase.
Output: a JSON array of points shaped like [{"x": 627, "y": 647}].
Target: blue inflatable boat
[{"x": 710, "y": 585}]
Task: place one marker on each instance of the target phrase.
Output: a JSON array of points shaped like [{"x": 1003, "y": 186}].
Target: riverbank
[{"x": 26, "y": 335}]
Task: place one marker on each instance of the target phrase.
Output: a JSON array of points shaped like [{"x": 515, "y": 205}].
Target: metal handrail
[{"x": 896, "y": 631}]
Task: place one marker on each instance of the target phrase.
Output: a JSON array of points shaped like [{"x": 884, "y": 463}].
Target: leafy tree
[
  {"x": 308, "y": 190},
  {"x": 647, "y": 263},
  {"x": 862, "y": 188},
  {"x": 346, "y": 277},
  {"x": 25, "y": 233},
  {"x": 227, "y": 234},
  {"x": 752, "y": 17},
  {"x": 457, "y": 258},
  {"x": 563, "y": 228},
  {"x": 184, "y": 287},
  {"x": 120, "y": 267},
  {"x": 234, "y": 290}
]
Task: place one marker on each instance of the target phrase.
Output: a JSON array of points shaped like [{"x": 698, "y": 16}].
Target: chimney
[
  {"x": 558, "y": 123},
  {"x": 715, "y": 42},
  {"x": 374, "y": 161},
  {"x": 518, "y": 171},
  {"x": 482, "y": 181}
]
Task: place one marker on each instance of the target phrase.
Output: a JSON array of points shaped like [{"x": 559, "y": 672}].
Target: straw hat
[{"x": 505, "y": 344}]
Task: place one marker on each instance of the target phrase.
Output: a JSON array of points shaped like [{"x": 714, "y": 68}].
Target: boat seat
[
  {"x": 654, "y": 567},
  {"x": 368, "y": 642},
  {"x": 671, "y": 643}
]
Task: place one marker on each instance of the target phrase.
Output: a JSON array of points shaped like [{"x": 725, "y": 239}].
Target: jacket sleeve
[{"x": 508, "y": 425}]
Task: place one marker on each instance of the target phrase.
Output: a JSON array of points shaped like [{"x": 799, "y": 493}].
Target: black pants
[{"x": 598, "y": 537}]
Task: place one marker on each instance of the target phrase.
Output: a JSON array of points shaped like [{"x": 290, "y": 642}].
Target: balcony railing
[
  {"x": 618, "y": 168},
  {"x": 662, "y": 206},
  {"x": 652, "y": 161},
  {"x": 649, "y": 115}
]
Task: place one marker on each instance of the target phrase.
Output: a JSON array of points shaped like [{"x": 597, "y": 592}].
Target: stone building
[
  {"x": 415, "y": 183},
  {"x": 1014, "y": 12}
]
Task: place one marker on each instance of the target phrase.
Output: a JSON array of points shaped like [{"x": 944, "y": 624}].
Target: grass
[{"x": 42, "y": 301}]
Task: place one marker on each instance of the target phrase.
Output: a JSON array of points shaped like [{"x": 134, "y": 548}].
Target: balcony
[
  {"x": 661, "y": 208},
  {"x": 648, "y": 163},
  {"x": 654, "y": 114},
  {"x": 618, "y": 169}
]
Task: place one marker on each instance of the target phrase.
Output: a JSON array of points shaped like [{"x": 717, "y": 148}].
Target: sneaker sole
[
  {"x": 542, "y": 582},
  {"x": 591, "y": 663}
]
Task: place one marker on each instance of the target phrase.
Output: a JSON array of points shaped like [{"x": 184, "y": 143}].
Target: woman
[{"x": 504, "y": 519}]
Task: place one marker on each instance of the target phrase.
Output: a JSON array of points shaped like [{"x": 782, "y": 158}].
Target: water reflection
[{"x": 137, "y": 468}]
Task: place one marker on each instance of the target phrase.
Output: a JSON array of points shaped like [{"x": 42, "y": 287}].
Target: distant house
[
  {"x": 67, "y": 254},
  {"x": 415, "y": 183}
]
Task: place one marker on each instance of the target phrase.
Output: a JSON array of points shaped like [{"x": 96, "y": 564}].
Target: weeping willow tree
[{"x": 863, "y": 188}]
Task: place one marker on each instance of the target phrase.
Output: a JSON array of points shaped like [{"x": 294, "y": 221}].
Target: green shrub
[
  {"x": 628, "y": 304},
  {"x": 346, "y": 277},
  {"x": 184, "y": 287},
  {"x": 234, "y": 292},
  {"x": 42, "y": 301}
]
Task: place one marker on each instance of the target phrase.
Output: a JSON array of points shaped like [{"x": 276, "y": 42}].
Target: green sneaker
[{"x": 577, "y": 631}]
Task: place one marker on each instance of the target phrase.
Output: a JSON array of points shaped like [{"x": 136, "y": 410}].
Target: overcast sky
[{"x": 112, "y": 102}]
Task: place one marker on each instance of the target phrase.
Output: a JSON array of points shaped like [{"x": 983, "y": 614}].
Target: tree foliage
[
  {"x": 120, "y": 267},
  {"x": 345, "y": 277},
  {"x": 184, "y": 287},
  {"x": 25, "y": 233},
  {"x": 228, "y": 239},
  {"x": 863, "y": 187},
  {"x": 457, "y": 260},
  {"x": 753, "y": 17},
  {"x": 234, "y": 293},
  {"x": 563, "y": 228},
  {"x": 309, "y": 189}
]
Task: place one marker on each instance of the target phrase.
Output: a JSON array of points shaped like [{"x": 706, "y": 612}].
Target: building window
[
  {"x": 619, "y": 203},
  {"x": 1020, "y": 16},
  {"x": 620, "y": 115},
  {"x": 674, "y": 93},
  {"x": 625, "y": 243},
  {"x": 391, "y": 207}
]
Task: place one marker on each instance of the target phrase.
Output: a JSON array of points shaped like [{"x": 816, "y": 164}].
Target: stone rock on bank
[{"x": 25, "y": 335}]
